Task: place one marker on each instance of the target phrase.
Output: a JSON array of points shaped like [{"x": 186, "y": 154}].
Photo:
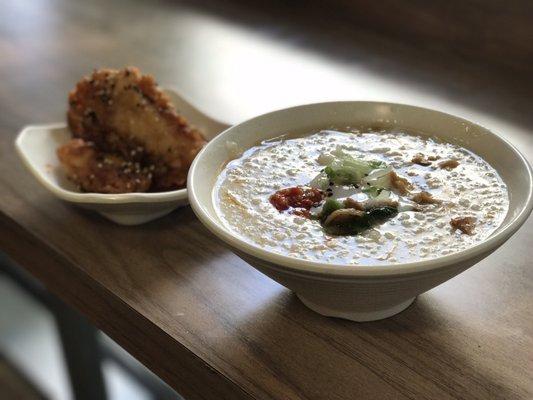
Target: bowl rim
[
  {"x": 88, "y": 198},
  {"x": 297, "y": 265}
]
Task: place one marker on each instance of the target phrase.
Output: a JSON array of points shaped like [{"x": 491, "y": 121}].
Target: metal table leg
[
  {"x": 79, "y": 340},
  {"x": 82, "y": 355},
  {"x": 83, "y": 349}
]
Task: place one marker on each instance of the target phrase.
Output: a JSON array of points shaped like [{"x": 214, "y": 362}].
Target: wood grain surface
[{"x": 171, "y": 294}]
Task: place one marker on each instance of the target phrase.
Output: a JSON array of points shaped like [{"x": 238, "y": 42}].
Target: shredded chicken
[
  {"x": 448, "y": 164},
  {"x": 420, "y": 159},
  {"x": 351, "y": 203},
  {"x": 425, "y": 198},
  {"x": 375, "y": 203},
  {"x": 401, "y": 185},
  {"x": 465, "y": 224},
  {"x": 342, "y": 216},
  {"x": 369, "y": 204}
]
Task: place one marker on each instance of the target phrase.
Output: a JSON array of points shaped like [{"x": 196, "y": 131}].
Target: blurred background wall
[{"x": 495, "y": 34}]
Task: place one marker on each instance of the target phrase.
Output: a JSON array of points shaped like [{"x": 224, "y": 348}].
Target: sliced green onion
[
  {"x": 372, "y": 191},
  {"x": 377, "y": 164},
  {"x": 346, "y": 170},
  {"x": 321, "y": 181},
  {"x": 329, "y": 206}
]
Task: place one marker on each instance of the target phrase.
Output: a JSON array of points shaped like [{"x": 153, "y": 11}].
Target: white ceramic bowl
[
  {"x": 361, "y": 293},
  {"x": 37, "y": 145}
]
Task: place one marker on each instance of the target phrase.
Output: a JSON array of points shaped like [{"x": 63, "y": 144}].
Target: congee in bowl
[
  {"x": 358, "y": 207},
  {"x": 360, "y": 197}
]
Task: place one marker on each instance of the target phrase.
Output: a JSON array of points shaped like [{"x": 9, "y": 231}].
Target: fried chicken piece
[
  {"x": 465, "y": 224},
  {"x": 125, "y": 112},
  {"x": 94, "y": 171}
]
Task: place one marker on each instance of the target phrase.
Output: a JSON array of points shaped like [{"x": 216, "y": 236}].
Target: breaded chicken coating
[
  {"x": 125, "y": 113},
  {"x": 95, "y": 171}
]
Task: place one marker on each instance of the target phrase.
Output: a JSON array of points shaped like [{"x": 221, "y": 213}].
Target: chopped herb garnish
[
  {"x": 347, "y": 221},
  {"x": 347, "y": 170},
  {"x": 376, "y": 164},
  {"x": 372, "y": 191},
  {"x": 329, "y": 206}
]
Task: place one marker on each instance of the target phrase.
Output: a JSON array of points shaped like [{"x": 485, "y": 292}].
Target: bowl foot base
[
  {"x": 358, "y": 316},
  {"x": 135, "y": 218}
]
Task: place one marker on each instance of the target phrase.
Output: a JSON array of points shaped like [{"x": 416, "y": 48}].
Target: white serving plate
[
  {"x": 361, "y": 293},
  {"x": 37, "y": 145}
]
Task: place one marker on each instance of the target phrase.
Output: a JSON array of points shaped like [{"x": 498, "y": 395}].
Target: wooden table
[{"x": 172, "y": 295}]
